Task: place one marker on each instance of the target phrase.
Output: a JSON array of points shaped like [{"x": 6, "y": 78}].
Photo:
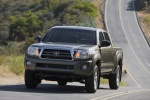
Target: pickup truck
[{"x": 74, "y": 54}]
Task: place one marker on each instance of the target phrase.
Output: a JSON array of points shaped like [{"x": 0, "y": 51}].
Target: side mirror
[
  {"x": 105, "y": 43},
  {"x": 38, "y": 38}
]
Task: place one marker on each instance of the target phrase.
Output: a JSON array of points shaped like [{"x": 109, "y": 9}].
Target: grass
[
  {"x": 2, "y": 59},
  {"x": 122, "y": 84},
  {"x": 13, "y": 62},
  {"x": 147, "y": 20},
  {"x": 105, "y": 81}
]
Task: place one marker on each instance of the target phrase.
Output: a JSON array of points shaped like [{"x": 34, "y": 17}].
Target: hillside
[{"x": 21, "y": 20}]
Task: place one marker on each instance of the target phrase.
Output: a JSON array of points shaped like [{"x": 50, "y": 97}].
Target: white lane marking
[
  {"x": 129, "y": 40},
  {"x": 117, "y": 94},
  {"x": 105, "y": 14},
  {"x": 106, "y": 23},
  {"x": 133, "y": 79}
]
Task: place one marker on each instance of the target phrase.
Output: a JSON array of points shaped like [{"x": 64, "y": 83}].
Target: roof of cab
[{"x": 77, "y": 27}]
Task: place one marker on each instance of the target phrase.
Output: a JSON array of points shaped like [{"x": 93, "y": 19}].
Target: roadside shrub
[
  {"x": 12, "y": 48},
  {"x": 3, "y": 50},
  {"x": 15, "y": 63},
  {"x": 147, "y": 20},
  {"x": 88, "y": 7},
  {"x": 2, "y": 59}
]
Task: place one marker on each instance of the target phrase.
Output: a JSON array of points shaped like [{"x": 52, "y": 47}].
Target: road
[{"x": 121, "y": 22}]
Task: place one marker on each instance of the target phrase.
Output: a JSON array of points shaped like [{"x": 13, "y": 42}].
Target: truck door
[
  {"x": 104, "y": 55},
  {"x": 110, "y": 52}
]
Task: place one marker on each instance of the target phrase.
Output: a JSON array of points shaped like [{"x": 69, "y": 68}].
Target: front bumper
[{"x": 59, "y": 66}]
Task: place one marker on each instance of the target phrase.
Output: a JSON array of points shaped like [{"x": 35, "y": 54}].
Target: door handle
[{"x": 106, "y": 52}]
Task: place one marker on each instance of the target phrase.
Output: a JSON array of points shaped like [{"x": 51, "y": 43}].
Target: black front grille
[
  {"x": 56, "y": 54},
  {"x": 54, "y": 66}
]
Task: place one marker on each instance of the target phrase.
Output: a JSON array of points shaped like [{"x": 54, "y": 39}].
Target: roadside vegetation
[
  {"x": 143, "y": 8},
  {"x": 105, "y": 81},
  {"x": 11, "y": 59}
]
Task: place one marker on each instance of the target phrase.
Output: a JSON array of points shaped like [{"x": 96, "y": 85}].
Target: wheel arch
[
  {"x": 118, "y": 61},
  {"x": 97, "y": 61}
]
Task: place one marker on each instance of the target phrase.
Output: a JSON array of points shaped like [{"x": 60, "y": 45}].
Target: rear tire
[
  {"x": 92, "y": 81},
  {"x": 62, "y": 82},
  {"x": 114, "y": 79},
  {"x": 30, "y": 81}
]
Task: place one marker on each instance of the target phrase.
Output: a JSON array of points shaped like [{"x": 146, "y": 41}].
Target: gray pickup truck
[{"x": 74, "y": 54}]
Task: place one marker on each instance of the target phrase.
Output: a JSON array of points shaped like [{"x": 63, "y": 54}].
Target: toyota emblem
[{"x": 56, "y": 53}]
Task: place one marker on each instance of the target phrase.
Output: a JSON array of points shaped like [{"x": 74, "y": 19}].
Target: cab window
[
  {"x": 106, "y": 36},
  {"x": 101, "y": 37}
]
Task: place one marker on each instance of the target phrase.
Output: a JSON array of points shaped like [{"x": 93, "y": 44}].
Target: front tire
[
  {"x": 114, "y": 79},
  {"x": 92, "y": 81},
  {"x": 30, "y": 81},
  {"x": 62, "y": 82}
]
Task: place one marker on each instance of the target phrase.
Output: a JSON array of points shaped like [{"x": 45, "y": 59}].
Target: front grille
[
  {"x": 56, "y": 54},
  {"x": 54, "y": 66}
]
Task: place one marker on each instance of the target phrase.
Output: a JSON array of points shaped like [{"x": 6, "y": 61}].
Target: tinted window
[
  {"x": 101, "y": 37},
  {"x": 106, "y": 36},
  {"x": 70, "y": 36}
]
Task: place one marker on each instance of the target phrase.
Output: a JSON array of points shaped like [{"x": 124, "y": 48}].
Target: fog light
[
  {"x": 28, "y": 63},
  {"x": 84, "y": 67}
]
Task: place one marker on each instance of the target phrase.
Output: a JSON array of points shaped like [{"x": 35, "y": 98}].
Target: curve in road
[{"x": 121, "y": 23}]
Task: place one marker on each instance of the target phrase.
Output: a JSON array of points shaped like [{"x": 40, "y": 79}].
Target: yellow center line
[
  {"x": 106, "y": 96},
  {"x": 110, "y": 96}
]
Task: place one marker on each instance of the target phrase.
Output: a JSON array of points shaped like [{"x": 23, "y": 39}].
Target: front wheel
[
  {"x": 92, "y": 81},
  {"x": 114, "y": 79},
  {"x": 30, "y": 80},
  {"x": 62, "y": 82}
]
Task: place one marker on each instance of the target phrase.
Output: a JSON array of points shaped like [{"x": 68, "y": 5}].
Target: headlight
[
  {"x": 33, "y": 51},
  {"x": 82, "y": 54}
]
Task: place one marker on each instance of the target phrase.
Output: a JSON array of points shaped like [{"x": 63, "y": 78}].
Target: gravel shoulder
[
  {"x": 8, "y": 77},
  {"x": 144, "y": 26}
]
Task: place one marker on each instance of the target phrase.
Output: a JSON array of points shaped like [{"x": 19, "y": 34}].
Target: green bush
[
  {"x": 88, "y": 7},
  {"x": 13, "y": 48}
]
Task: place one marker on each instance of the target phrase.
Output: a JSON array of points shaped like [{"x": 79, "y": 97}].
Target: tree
[{"x": 24, "y": 27}]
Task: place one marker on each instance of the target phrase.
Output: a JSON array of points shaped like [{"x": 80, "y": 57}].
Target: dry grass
[
  {"x": 99, "y": 19},
  {"x": 144, "y": 20},
  {"x": 11, "y": 69},
  {"x": 15, "y": 63},
  {"x": 8, "y": 77},
  {"x": 106, "y": 81},
  {"x": 5, "y": 71}
]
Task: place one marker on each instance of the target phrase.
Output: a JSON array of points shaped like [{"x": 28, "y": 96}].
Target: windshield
[{"x": 77, "y": 36}]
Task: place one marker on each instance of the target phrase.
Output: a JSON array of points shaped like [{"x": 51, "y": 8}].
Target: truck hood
[{"x": 64, "y": 45}]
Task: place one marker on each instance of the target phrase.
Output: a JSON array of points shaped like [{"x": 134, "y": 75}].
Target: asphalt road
[
  {"x": 121, "y": 22},
  {"x": 124, "y": 30}
]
